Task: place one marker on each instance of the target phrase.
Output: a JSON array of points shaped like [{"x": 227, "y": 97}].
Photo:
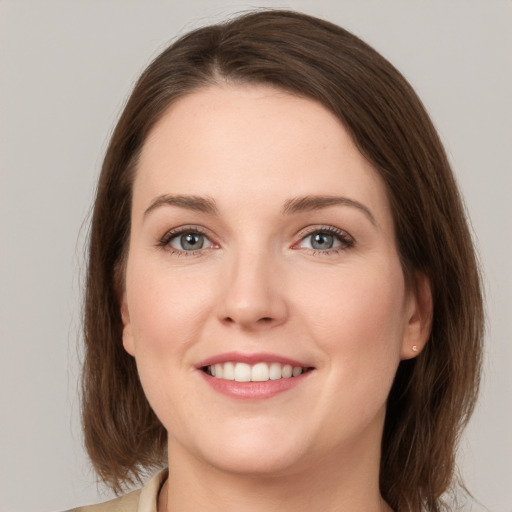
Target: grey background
[{"x": 66, "y": 68}]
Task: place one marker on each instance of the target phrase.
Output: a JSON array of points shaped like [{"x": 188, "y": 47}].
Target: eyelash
[{"x": 346, "y": 241}]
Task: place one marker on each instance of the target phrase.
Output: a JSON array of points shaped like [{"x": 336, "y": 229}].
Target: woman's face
[{"x": 262, "y": 245}]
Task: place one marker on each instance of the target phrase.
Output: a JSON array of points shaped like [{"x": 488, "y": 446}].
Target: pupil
[
  {"x": 322, "y": 241},
  {"x": 191, "y": 241}
]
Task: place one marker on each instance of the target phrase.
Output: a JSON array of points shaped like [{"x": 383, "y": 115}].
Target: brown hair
[{"x": 433, "y": 394}]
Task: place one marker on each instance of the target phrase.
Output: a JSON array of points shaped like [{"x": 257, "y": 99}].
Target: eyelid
[{"x": 186, "y": 228}]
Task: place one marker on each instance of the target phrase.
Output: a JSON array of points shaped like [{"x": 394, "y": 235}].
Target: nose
[{"x": 253, "y": 292}]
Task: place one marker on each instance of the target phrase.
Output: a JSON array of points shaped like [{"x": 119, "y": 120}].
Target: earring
[{"x": 414, "y": 348}]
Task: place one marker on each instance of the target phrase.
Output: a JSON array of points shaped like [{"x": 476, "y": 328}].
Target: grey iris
[
  {"x": 322, "y": 241},
  {"x": 191, "y": 241}
]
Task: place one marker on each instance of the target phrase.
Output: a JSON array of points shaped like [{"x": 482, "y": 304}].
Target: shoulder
[
  {"x": 141, "y": 500},
  {"x": 127, "y": 503}
]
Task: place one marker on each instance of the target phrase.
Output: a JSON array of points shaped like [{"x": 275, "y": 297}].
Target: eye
[
  {"x": 325, "y": 240},
  {"x": 189, "y": 241},
  {"x": 184, "y": 241},
  {"x": 321, "y": 241}
]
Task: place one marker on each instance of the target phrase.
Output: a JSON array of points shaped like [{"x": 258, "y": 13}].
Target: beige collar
[{"x": 148, "y": 497}]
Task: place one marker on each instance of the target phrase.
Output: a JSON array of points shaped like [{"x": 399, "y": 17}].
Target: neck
[{"x": 338, "y": 482}]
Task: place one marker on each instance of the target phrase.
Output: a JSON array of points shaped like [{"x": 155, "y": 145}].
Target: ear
[
  {"x": 128, "y": 343},
  {"x": 419, "y": 317}
]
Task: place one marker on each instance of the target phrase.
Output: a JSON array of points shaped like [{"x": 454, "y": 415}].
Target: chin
[
  {"x": 255, "y": 451},
  {"x": 255, "y": 463}
]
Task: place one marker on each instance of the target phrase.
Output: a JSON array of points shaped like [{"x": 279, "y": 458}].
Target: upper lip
[{"x": 251, "y": 359}]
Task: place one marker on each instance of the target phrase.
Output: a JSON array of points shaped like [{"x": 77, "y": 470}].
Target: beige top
[{"x": 141, "y": 500}]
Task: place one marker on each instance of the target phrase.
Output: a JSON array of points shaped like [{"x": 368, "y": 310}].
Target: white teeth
[
  {"x": 275, "y": 371},
  {"x": 243, "y": 372},
  {"x": 259, "y": 372},
  {"x": 297, "y": 370},
  {"x": 287, "y": 371},
  {"x": 229, "y": 371},
  {"x": 219, "y": 371}
]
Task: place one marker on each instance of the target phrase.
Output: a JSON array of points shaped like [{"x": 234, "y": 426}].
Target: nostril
[{"x": 262, "y": 320}]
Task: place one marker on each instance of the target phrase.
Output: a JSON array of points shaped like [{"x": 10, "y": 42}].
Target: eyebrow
[
  {"x": 295, "y": 205},
  {"x": 195, "y": 203},
  {"x": 310, "y": 203}
]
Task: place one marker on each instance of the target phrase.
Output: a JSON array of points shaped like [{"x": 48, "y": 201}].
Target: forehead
[{"x": 253, "y": 141}]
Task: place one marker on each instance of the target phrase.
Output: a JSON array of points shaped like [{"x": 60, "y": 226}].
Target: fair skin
[{"x": 261, "y": 237}]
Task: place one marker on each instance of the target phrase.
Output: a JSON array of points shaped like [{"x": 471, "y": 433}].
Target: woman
[{"x": 283, "y": 301}]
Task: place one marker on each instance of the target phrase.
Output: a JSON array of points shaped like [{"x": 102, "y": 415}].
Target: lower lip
[{"x": 253, "y": 390}]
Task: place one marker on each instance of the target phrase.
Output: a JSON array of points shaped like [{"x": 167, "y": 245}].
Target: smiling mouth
[{"x": 259, "y": 372}]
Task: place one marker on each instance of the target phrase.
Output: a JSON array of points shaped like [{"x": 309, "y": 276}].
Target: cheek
[
  {"x": 165, "y": 310},
  {"x": 359, "y": 321},
  {"x": 167, "y": 317}
]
